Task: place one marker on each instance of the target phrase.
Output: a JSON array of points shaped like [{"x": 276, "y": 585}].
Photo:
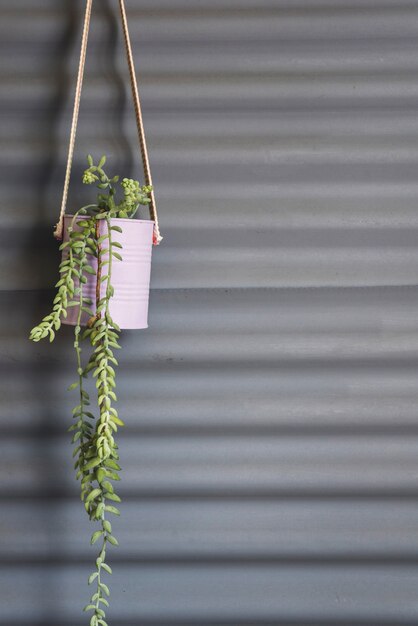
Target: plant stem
[
  {"x": 102, "y": 558},
  {"x": 103, "y": 446},
  {"x": 83, "y": 426},
  {"x": 99, "y": 267}
]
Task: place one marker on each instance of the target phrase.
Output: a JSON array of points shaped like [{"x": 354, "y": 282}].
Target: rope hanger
[{"x": 58, "y": 232}]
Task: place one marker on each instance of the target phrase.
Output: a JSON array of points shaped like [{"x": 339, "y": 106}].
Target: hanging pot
[{"x": 130, "y": 277}]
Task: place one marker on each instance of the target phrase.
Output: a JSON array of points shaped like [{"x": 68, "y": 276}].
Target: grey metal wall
[{"x": 271, "y": 450}]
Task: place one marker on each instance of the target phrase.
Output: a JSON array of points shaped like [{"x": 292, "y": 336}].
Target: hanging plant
[{"x": 91, "y": 250}]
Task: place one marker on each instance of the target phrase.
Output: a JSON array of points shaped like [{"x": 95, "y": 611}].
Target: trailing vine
[{"x": 91, "y": 237}]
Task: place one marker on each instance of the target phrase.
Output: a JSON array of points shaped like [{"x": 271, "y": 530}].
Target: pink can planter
[{"x": 130, "y": 277}]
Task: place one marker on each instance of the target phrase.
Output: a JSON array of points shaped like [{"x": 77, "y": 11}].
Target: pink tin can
[{"x": 130, "y": 277}]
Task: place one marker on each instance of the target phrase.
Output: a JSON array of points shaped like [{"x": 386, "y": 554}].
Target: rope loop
[{"x": 58, "y": 232}]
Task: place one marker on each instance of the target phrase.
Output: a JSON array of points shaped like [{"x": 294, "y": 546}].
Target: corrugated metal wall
[{"x": 271, "y": 453}]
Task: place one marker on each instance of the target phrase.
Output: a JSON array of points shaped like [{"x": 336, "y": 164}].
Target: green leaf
[
  {"x": 101, "y": 474},
  {"x": 105, "y": 589},
  {"x": 105, "y": 566},
  {"x": 107, "y": 526},
  {"x": 100, "y": 509},
  {"x": 117, "y": 255},
  {"x": 76, "y": 436},
  {"x": 116, "y": 228},
  {"x": 111, "y": 463},
  {"x": 95, "y": 536},
  {"x": 93, "y": 494},
  {"x": 117, "y": 421},
  {"x": 90, "y": 160},
  {"x": 112, "y": 509},
  {"x": 102, "y": 161},
  {"x": 89, "y": 607},
  {"x": 92, "y": 463},
  {"x": 113, "y": 541},
  {"x": 93, "y": 577},
  {"x": 113, "y": 475},
  {"x": 73, "y": 386},
  {"x": 113, "y": 497}
]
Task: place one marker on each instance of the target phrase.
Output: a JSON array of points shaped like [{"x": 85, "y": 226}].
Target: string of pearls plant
[{"x": 96, "y": 451}]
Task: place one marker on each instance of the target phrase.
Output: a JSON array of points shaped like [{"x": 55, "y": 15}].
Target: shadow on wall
[
  {"x": 105, "y": 54},
  {"x": 50, "y": 373}
]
